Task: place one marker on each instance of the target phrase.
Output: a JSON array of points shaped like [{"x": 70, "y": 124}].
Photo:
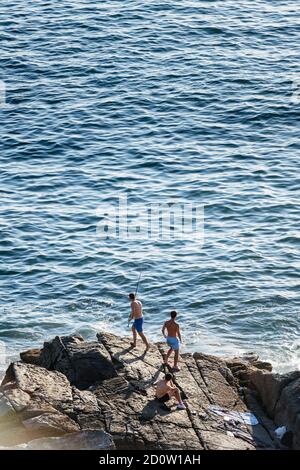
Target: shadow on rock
[{"x": 153, "y": 409}]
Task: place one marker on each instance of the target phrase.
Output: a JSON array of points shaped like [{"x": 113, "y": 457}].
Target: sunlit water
[{"x": 179, "y": 101}]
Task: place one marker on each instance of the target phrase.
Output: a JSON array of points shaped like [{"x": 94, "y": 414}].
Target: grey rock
[
  {"x": 106, "y": 388},
  {"x": 6, "y": 408},
  {"x": 287, "y": 410},
  {"x": 32, "y": 356},
  {"x": 17, "y": 398},
  {"x": 84, "y": 440},
  {"x": 51, "y": 424},
  {"x": 82, "y": 363},
  {"x": 269, "y": 386},
  {"x": 49, "y": 386}
]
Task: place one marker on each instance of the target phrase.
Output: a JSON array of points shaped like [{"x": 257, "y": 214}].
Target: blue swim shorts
[
  {"x": 138, "y": 324},
  {"x": 173, "y": 343}
]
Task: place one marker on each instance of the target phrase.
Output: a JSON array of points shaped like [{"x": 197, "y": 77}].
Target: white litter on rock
[
  {"x": 245, "y": 417},
  {"x": 280, "y": 432}
]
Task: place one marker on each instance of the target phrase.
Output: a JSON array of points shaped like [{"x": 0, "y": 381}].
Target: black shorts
[{"x": 164, "y": 398}]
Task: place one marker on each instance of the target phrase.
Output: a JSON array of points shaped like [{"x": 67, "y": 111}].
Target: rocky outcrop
[
  {"x": 242, "y": 367},
  {"x": 82, "y": 363},
  {"x": 77, "y": 394},
  {"x": 278, "y": 395}
]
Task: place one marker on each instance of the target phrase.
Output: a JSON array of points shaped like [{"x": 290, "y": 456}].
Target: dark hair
[
  {"x": 132, "y": 296},
  {"x": 173, "y": 314},
  {"x": 168, "y": 377}
]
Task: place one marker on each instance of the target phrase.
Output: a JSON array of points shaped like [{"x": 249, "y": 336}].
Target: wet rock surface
[{"x": 101, "y": 394}]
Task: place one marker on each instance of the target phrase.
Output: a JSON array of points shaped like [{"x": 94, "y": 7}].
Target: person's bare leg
[
  {"x": 176, "y": 357},
  {"x": 133, "y": 344},
  {"x": 144, "y": 340},
  {"x": 176, "y": 394},
  {"x": 168, "y": 355}
]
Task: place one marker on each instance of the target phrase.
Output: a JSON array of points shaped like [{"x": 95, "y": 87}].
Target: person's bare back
[
  {"x": 136, "y": 309},
  {"x": 172, "y": 328},
  {"x": 162, "y": 388}
]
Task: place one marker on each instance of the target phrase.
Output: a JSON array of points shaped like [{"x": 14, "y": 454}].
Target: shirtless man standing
[
  {"x": 173, "y": 337},
  {"x": 138, "y": 320},
  {"x": 166, "y": 390}
]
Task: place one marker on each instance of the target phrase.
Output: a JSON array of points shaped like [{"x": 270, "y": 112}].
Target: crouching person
[{"x": 166, "y": 390}]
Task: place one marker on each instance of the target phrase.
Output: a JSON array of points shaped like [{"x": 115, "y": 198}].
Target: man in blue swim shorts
[
  {"x": 173, "y": 337},
  {"x": 138, "y": 320}
]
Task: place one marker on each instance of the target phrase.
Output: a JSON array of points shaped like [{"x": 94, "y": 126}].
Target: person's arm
[
  {"x": 171, "y": 385},
  {"x": 179, "y": 334},
  {"x": 163, "y": 330},
  {"x": 131, "y": 315}
]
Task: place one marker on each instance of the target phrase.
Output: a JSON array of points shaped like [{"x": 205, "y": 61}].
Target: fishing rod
[{"x": 138, "y": 283}]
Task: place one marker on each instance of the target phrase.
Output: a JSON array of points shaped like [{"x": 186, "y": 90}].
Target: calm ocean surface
[{"x": 176, "y": 101}]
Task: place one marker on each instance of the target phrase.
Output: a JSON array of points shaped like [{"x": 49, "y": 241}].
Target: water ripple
[{"x": 170, "y": 101}]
